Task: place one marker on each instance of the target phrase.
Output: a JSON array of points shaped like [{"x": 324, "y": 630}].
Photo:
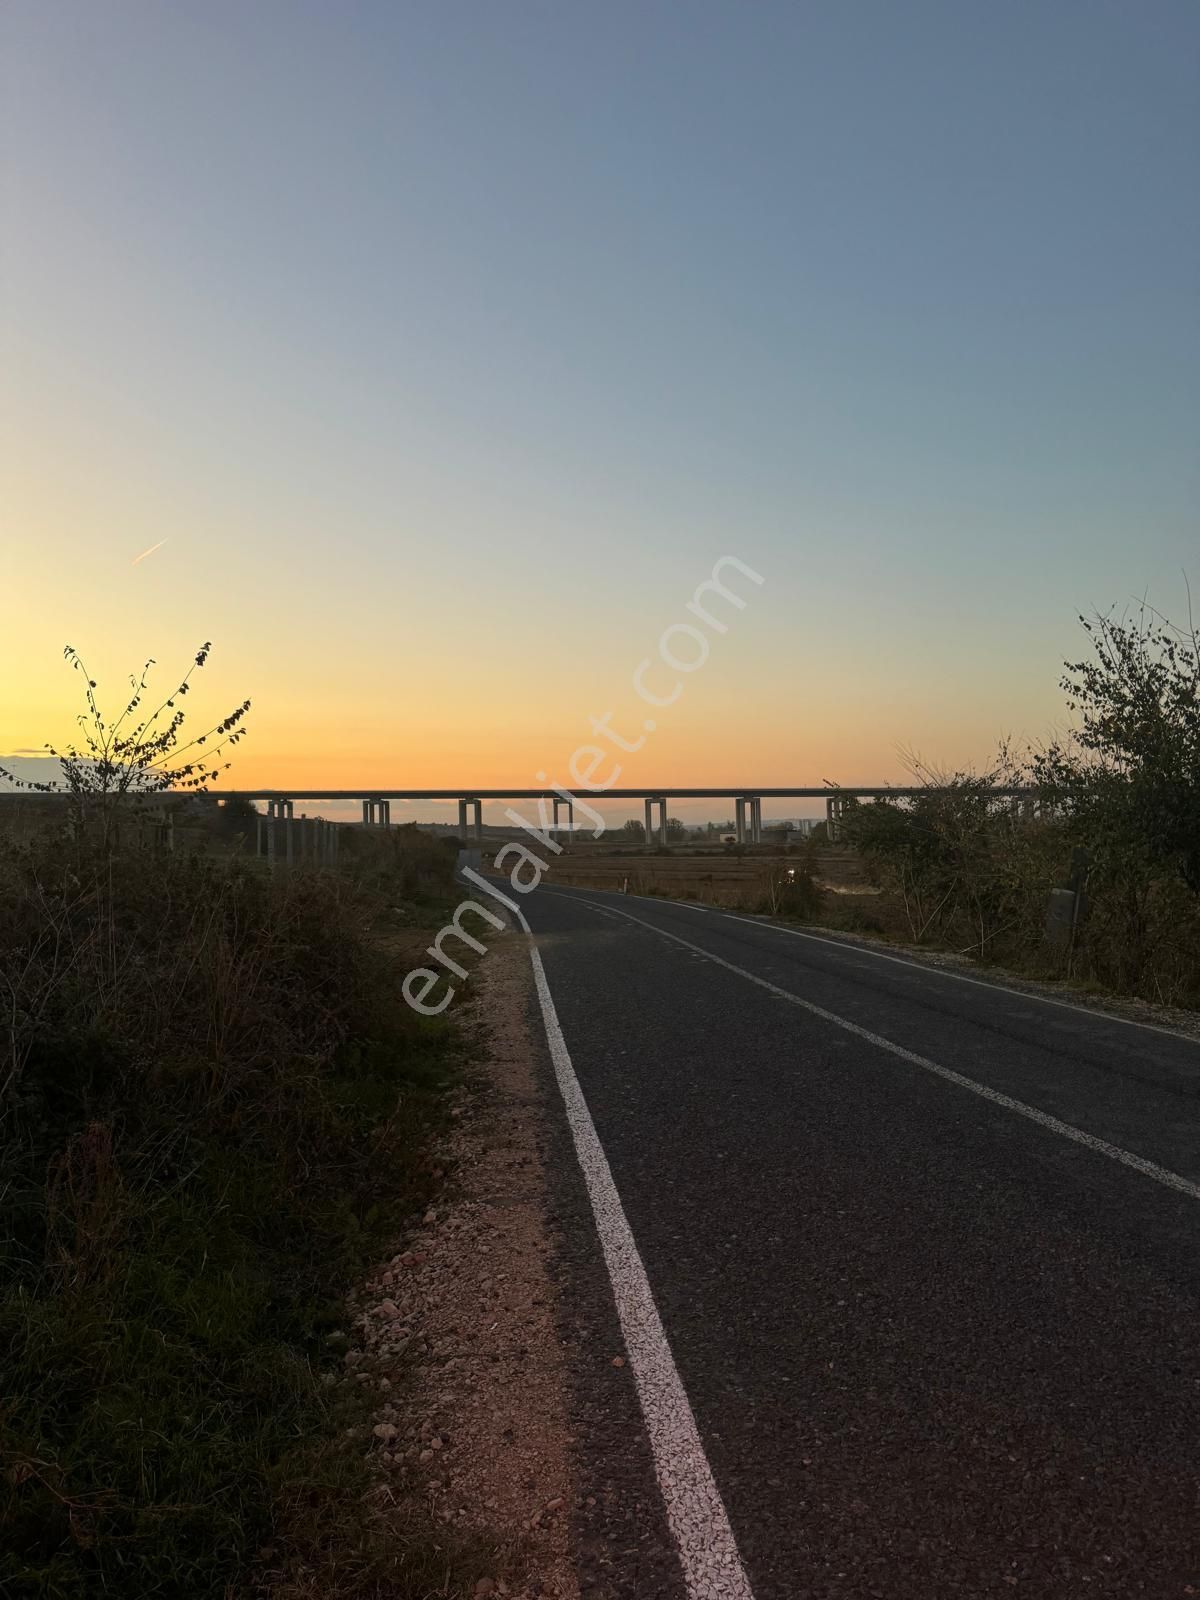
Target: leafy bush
[
  {"x": 212, "y": 1103},
  {"x": 967, "y": 870},
  {"x": 1125, "y": 785},
  {"x": 1118, "y": 797}
]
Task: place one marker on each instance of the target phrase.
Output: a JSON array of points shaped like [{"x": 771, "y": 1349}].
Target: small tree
[
  {"x": 635, "y": 830},
  {"x": 139, "y": 755},
  {"x": 1128, "y": 776},
  {"x": 676, "y": 829}
]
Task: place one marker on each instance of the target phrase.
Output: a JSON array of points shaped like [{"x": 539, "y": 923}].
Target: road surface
[{"x": 905, "y": 1263}]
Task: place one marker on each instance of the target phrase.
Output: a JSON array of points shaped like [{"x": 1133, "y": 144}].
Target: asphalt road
[{"x": 923, "y": 1252}]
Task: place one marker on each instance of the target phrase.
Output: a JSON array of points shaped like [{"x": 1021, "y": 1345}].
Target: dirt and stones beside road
[{"x": 458, "y": 1335}]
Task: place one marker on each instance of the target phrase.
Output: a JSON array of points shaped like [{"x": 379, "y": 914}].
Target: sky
[{"x": 442, "y": 350}]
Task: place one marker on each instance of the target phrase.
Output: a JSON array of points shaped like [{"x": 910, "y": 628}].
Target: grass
[{"x": 214, "y": 1113}]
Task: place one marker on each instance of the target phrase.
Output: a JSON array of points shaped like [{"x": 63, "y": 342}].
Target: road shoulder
[{"x": 459, "y": 1329}]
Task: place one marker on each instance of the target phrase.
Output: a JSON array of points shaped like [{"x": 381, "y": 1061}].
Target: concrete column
[
  {"x": 556, "y": 829},
  {"x": 289, "y": 837},
  {"x": 259, "y": 833},
  {"x": 662, "y": 820},
  {"x": 287, "y": 809},
  {"x": 649, "y": 817},
  {"x": 272, "y": 824},
  {"x": 755, "y": 821},
  {"x": 471, "y": 821},
  {"x": 739, "y": 818},
  {"x": 831, "y": 819}
]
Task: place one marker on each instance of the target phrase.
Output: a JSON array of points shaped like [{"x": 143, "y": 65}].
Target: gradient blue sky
[{"x": 448, "y": 345}]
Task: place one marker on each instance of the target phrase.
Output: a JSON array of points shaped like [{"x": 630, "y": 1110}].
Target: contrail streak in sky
[{"x": 146, "y": 553}]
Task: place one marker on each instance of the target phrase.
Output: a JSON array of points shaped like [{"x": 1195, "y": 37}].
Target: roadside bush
[
  {"x": 399, "y": 863},
  {"x": 1125, "y": 785},
  {"x": 791, "y": 889},
  {"x": 968, "y": 871},
  {"x": 212, "y": 1103},
  {"x": 1118, "y": 807}
]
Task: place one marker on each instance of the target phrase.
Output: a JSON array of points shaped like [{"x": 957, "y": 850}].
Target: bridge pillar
[
  {"x": 755, "y": 819},
  {"x": 739, "y": 818},
  {"x": 656, "y": 832},
  {"x": 385, "y": 813},
  {"x": 570, "y": 809},
  {"x": 835, "y": 809},
  {"x": 470, "y": 820}
]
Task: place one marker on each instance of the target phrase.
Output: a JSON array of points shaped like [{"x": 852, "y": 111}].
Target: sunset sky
[{"x": 442, "y": 349}]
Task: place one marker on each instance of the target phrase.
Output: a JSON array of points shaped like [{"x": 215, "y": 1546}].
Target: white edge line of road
[
  {"x": 699, "y": 1523},
  {"x": 1096, "y": 1014},
  {"x": 1148, "y": 1169}
]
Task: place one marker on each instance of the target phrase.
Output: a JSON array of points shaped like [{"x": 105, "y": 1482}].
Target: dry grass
[
  {"x": 750, "y": 879},
  {"x": 213, "y": 1106}
]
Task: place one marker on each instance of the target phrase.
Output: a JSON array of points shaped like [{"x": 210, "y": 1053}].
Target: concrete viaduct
[{"x": 747, "y": 802}]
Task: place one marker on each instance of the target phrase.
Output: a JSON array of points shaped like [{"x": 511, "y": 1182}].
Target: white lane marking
[
  {"x": 932, "y": 972},
  {"x": 1149, "y": 1169},
  {"x": 708, "y": 1554}
]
